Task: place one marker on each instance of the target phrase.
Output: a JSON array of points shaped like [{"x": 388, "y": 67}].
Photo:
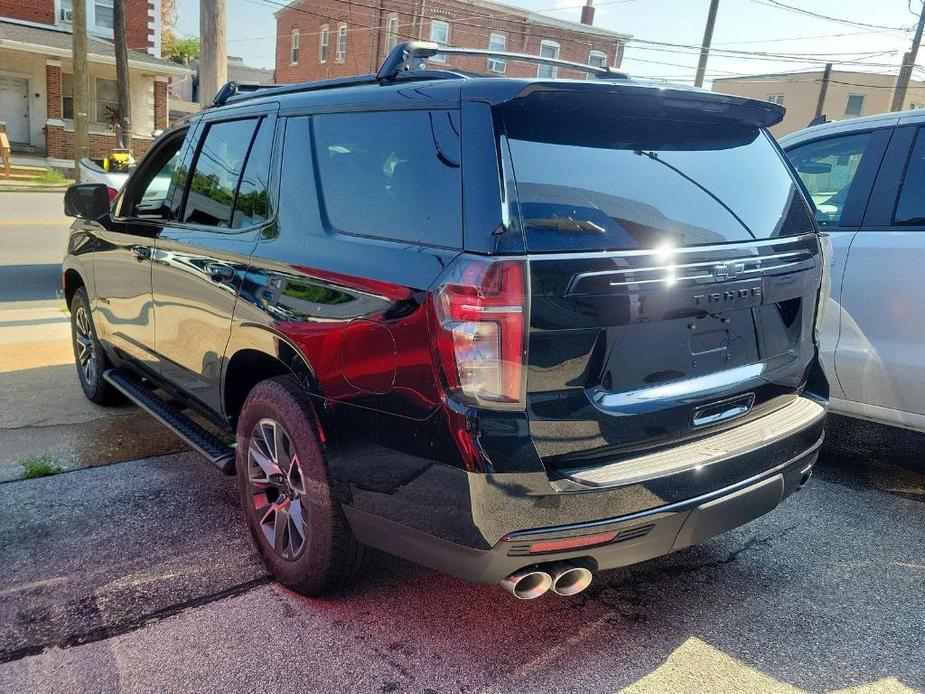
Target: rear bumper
[{"x": 639, "y": 535}]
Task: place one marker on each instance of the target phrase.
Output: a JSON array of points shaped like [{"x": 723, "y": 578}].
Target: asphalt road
[{"x": 139, "y": 576}]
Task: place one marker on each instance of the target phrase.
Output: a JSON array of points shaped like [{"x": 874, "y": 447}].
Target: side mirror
[{"x": 87, "y": 200}]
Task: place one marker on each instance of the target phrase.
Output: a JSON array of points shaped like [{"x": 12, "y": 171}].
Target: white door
[
  {"x": 880, "y": 357},
  {"x": 14, "y": 107}
]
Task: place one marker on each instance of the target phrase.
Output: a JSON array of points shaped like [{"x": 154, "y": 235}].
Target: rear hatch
[{"x": 674, "y": 271}]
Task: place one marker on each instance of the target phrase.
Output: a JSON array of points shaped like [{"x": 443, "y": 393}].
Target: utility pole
[
  {"x": 823, "y": 88},
  {"x": 125, "y": 102},
  {"x": 905, "y": 72},
  {"x": 81, "y": 86},
  {"x": 707, "y": 40},
  {"x": 213, "y": 53}
]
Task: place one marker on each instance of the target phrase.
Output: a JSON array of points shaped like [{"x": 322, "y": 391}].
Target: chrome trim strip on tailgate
[{"x": 788, "y": 420}]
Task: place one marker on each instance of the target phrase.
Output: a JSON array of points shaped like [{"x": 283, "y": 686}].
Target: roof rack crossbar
[
  {"x": 404, "y": 55},
  {"x": 234, "y": 92}
]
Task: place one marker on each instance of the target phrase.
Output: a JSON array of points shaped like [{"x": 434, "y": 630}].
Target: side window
[
  {"x": 216, "y": 171},
  {"x": 150, "y": 188},
  {"x": 828, "y": 168},
  {"x": 252, "y": 206},
  {"x": 910, "y": 210},
  {"x": 391, "y": 175}
]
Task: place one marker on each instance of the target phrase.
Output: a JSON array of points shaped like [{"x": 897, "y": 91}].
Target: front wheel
[
  {"x": 89, "y": 356},
  {"x": 292, "y": 514}
]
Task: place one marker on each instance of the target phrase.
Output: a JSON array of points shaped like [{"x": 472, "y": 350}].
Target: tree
[{"x": 179, "y": 49}]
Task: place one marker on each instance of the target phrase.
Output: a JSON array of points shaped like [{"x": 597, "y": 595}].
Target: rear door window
[
  {"x": 216, "y": 172},
  {"x": 910, "y": 210},
  {"x": 391, "y": 175},
  {"x": 252, "y": 204},
  {"x": 828, "y": 168},
  {"x": 591, "y": 180}
]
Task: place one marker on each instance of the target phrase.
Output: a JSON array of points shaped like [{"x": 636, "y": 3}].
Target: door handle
[
  {"x": 141, "y": 252},
  {"x": 220, "y": 272}
]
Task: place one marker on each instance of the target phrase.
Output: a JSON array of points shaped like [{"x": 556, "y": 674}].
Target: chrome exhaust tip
[
  {"x": 528, "y": 583},
  {"x": 568, "y": 579}
]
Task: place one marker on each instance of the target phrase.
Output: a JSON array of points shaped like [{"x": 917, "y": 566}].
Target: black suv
[{"x": 518, "y": 330}]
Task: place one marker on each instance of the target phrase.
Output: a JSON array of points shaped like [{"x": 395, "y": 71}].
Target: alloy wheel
[
  {"x": 84, "y": 347},
  {"x": 277, "y": 488}
]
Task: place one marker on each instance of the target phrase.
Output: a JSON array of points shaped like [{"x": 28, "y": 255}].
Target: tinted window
[
  {"x": 150, "y": 189},
  {"x": 828, "y": 168},
  {"x": 590, "y": 180},
  {"x": 216, "y": 172},
  {"x": 910, "y": 210},
  {"x": 391, "y": 175},
  {"x": 252, "y": 205}
]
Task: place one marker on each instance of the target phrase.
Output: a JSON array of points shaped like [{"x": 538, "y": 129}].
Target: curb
[{"x": 32, "y": 189}]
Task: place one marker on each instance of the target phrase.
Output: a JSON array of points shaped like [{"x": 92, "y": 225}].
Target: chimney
[{"x": 587, "y": 13}]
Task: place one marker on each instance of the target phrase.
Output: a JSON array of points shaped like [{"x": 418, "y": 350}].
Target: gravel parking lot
[{"x": 132, "y": 570}]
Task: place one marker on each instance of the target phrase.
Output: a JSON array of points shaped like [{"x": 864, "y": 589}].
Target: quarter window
[
  {"x": 295, "y": 47},
  {"x": 498, "y": 44},
  {"x": 548, "y": 49},
  {"x": 341, "y": 42},
  {"x": 855, "y": 105},
  {"x": 216, "y": 172},
  {"x": 910, "y": 210},
  {"x": 323, "y": 40},
  {"x": 828, "y": 168},
  {"x": 393, "y": 175},
  {"x": 439, "y": 34},
  {"x": 392, "y": 32}
]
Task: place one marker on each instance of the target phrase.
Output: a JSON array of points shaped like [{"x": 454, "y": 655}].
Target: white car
[{"x": 866, "y": 177}]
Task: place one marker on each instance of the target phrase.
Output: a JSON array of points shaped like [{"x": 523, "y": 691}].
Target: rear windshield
[{"x": 592, "y": 180}]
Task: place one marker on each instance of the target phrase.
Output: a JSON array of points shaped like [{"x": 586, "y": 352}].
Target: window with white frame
[
  {"x": 391, "y": 32},
  {"x": 65, "y": 11},
  {"x": 102, "y": 14},
  {"x": 776, "y": 99},
  {"x": 497, "y": 43},
  {"x": 67, "y": 95},
  {"x": 439, "y": 34},
  {"x": 341, "y": 43},
  {"x": 324, "y": 39},
  {"x": 295, "y": 46},
  {"x": 548, "y": 49},
  {"x": 597, "y": 59},
  {"x": 855, "y": 105},
  {"x": 107, "y": 100}
]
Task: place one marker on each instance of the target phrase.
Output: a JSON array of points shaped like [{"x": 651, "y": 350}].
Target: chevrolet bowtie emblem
[{"x": 727, "y": 271}]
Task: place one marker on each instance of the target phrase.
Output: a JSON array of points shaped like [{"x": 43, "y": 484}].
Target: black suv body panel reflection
[{"x": 503, "y": 328}]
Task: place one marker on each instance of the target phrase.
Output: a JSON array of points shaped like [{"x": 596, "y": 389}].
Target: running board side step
[{"x": 219, "y": 453}]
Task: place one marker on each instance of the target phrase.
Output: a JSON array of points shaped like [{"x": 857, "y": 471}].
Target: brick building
[
  {"x": 36, "y": 92},
  {"x": 318, "y": 39}
]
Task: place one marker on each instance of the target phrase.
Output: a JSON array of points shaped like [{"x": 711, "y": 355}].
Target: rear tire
[
  {"x": 89, "y": 356},
  {"x": 294, "y": 518}
]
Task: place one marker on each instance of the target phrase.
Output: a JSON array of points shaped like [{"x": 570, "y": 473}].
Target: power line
[{"x": 817, "y": 15}]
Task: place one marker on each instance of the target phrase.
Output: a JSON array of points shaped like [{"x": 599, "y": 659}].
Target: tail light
[
  {"x": 480, "y": 311},
  {"x": 112, "y": 192}
]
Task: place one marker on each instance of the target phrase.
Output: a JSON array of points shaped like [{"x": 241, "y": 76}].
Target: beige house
[{"x": 850, "y": 94}]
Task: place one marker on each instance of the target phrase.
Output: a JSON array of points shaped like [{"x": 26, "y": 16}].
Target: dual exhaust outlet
[{"x": 561, "y": 577}]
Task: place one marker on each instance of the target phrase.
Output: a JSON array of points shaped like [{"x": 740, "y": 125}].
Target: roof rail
[
  {"x": 234, "y": 92},
  {"x": 404, "y": 56}
]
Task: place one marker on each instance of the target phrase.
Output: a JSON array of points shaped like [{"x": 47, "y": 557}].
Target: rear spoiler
[{"x": 630, "y": 95}]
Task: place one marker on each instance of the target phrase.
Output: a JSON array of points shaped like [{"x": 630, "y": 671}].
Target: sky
[{"x": 800, "y": 41}]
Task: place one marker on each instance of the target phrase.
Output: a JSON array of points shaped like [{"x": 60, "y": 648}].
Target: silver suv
[{"x": 866, "y": 177}]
